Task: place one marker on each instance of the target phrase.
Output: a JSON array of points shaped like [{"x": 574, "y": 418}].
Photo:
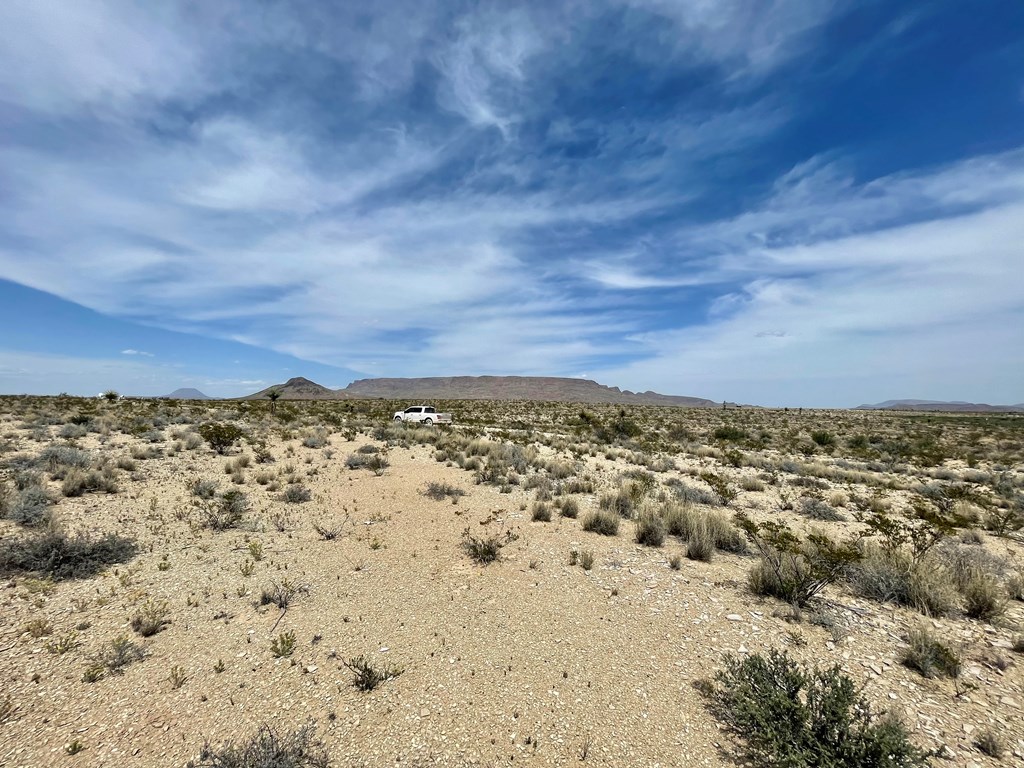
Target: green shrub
[
  {"x": 729, "y": 432},
  {"x": 602, "y": 521},
  {"x": 283, "y": 645},
  {"x": 220, "y": 435},
  {"x": 268, "y": 748},
  {"x": 650, "y": 529},
  {"x": 930, "y": 656},
  {"x": 787, "y": 715}
]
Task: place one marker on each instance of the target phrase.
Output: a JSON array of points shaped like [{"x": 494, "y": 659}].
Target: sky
[{"x": 776, "y": 202}]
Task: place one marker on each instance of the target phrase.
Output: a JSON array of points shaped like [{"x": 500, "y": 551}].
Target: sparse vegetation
[
  {"x": 366, "y": 676},
  {"x": 268, "y": 748}
]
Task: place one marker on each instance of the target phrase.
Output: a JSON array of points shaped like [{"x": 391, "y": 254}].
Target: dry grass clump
[
  {"x": 78, "y": 481},
  {"x": 374, "y": 462},
  {"x": 816, "y": 509},
  {"x": 541, "y": 512},
  {"x": 892, "y": 575},
  {"x": 568, "y": 508},
  {"x": 151, "y": 618},
  {"x": 687, "y": 523},
  {"x": 650, "y": 528},
  {"x": 486, "y": 549},
  {"x": 296, "y": 493},
  {"x": 929, "y": 656},
  {"x": 602, "y": 521}
]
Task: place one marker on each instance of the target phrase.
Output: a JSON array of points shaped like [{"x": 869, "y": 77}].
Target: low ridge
[{"x": 953, "y": 406}]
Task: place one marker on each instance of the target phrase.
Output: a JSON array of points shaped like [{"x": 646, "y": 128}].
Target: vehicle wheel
[
  {"x": 398, "y": 418},
  {"x": 428, "y": 422}
]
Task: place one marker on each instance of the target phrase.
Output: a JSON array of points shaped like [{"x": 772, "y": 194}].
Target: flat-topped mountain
[
  {"x": 187, "y": 393},
  {"x": 955, "y": 406},
  {"x": 542, "y": 388}
]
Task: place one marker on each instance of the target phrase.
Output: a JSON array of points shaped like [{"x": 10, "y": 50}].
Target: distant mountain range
[
  {"x": 542, "y": 388},
  {"x": 954, "y": 406},
  {"x": 187, "y": 393}
]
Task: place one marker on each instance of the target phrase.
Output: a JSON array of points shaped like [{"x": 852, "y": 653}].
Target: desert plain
[{"x": 540, "y": 584}]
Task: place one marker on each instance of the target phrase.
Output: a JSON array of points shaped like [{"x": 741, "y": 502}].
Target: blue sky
[{"x": 781, "y": 202}]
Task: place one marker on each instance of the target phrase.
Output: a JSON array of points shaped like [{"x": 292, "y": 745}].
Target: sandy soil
[{"x": 527, "y": 661}]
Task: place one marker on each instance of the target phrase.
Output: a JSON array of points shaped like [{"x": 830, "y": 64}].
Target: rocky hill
[
  {"x": 187, "y": 393},
  {"x": 540, "y": 388},
  {"x": 297, "y": 388}
]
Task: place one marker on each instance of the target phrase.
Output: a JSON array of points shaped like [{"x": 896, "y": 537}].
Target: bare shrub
[{"x": 268, "y": 748}]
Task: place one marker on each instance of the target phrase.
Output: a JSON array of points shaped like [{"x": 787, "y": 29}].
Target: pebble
[{"x": 734, "y": 617}]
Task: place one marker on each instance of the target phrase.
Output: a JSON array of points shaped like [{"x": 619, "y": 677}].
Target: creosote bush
[
  {"x": 788, "y": 715},
  {"x": 220, "y": 435},
  {"x": 268, "y": 748},
  {"x": 794, "y": 569}
]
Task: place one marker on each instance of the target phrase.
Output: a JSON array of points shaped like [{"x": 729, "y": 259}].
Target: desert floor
[{"x": 525, "y": 661}]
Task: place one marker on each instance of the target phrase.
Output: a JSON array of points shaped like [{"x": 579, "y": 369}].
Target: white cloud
[{"x": 136, "y": 352}]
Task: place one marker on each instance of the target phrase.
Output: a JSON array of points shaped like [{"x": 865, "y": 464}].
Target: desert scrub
[
  {"x": 376, "y": 462},
  {"x": 930, "y": 656},
  {"x": 222, "y": 512},
  {"x": 568, "y": 508},
  {"x": 684, "y": 521},
  {"x": 268, "y": 748},
  {"x": 794, "y": 569},
  {"x": 151, "y": 618},
  {"x": 296, "y": 493},
  {"x": 57, "y": 554},
  {"x": 280, "y": 594},
  {"x": 366, "y": 676},
  {"x": 650, "y": 529},
  {"x": 689, "y": 494},
  {"x": 816, "y": 509},
  {"x": 78, "y": 481},
  {"x": 486, "y": 549},
  {"x": 602, "y": 521},
  {"x": 541, "y": 512},
  {"x": 30, "y": 507},
  {"x": 203, "y": 488},
  {"x": 441, "y": 491},
  {"x": 893, "y": 575},
  {"x": 220, "y": 435},
  {"x": 789, "y": 715},
  {"x": 112, "y": 658}
]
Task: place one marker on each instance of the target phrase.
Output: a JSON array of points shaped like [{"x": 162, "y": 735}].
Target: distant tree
[
  {"x": 111, "y": 396},
  {"x": 273, "y": 395}
]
